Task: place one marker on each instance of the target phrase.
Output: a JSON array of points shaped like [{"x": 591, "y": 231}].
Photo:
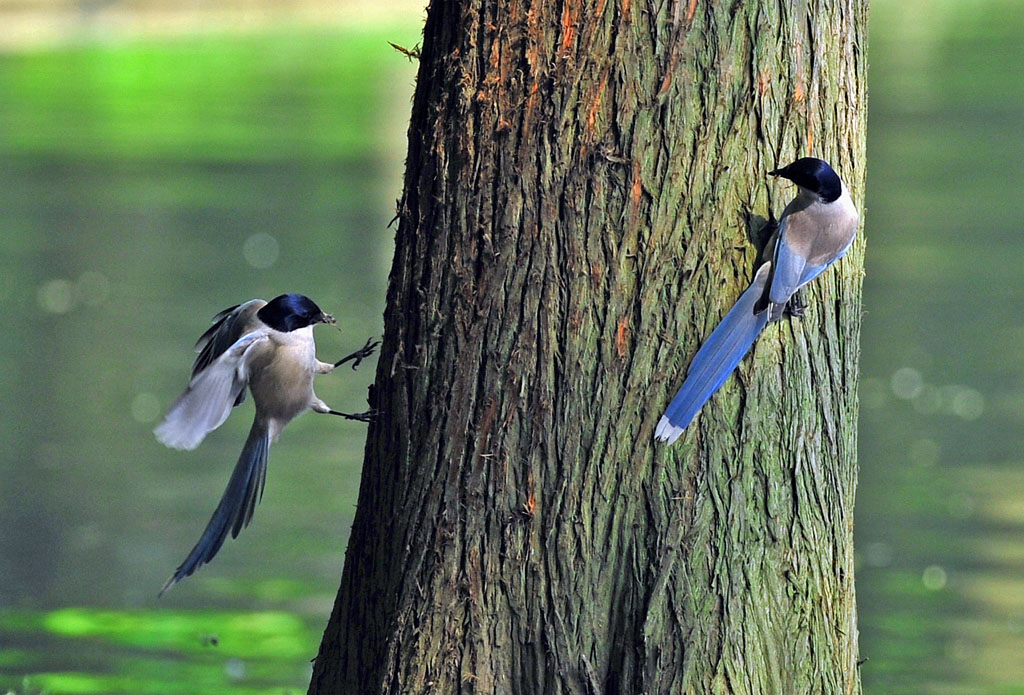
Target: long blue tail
[
  {"x": 236, "y": 506},
  {"x": 716, "y": 359}
]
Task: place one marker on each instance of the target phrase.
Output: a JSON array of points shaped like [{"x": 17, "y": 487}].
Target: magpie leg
[
  {"x": 360, "y": 417},
  {"x": 796, "y": 305},
  {"x": 360, "y": 354}
]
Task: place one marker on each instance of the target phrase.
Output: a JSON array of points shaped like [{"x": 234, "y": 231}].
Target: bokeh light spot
[
  {"x": 906, "y": 383},
  {"x": 968, "y": 403},
  {"x": 56, "y": 296},
  {"x": 261, "y": 250},
  {"x": 933, "y": 578},
  {"x": 878, "y": 554}
]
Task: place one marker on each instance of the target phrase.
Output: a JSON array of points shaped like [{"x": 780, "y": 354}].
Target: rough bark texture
[{"x": 582, "y": 184}]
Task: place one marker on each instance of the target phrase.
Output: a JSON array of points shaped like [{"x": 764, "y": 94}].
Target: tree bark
[{"x": 583, "y": 183}]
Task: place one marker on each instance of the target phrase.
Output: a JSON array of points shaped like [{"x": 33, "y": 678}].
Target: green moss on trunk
[{"x": 581, "y": 187}]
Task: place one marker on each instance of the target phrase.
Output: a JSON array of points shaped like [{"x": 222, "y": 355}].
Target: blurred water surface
[
  {"x": 147, "y": 184},
  {"x": 940, "y": 513},
  {"x": 144, "y": 186}
]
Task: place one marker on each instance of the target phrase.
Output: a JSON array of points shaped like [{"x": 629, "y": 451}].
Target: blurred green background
[{"x": 152, "y": 173}]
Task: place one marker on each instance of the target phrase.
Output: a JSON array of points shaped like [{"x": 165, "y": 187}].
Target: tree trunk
[{"x": 582, "y": 185}]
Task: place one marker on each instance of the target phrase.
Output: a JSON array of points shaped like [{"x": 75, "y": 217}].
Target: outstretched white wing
[{"x": 210, "y": 395}]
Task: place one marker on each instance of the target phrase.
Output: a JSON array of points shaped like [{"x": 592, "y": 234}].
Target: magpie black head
[
  {"x": 290, "y": 312},
  {"x": 813, "y": 174}
]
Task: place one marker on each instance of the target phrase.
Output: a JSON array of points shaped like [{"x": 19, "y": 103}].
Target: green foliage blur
[{"x": 145, "y": 184}]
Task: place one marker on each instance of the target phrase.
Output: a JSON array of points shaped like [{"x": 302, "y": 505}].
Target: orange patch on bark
[
  {"x": 568, "y": 27},
  {"x": 592, "y": 114},
  {"x": 691, "y": 10},
  {"x": 533, "y": 33},
  {"x": 667, "y": 81},
  {"x": 621, "y": 336},
  {"x": 638, "y": 189},
  {"x": 665, "y": 84},
  {"x": 763, "y": 80},
  {"x": 495, "y": 56}
]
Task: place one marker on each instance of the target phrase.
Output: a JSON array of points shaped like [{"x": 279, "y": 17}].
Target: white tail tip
[{"x": 666, "y": 431}]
